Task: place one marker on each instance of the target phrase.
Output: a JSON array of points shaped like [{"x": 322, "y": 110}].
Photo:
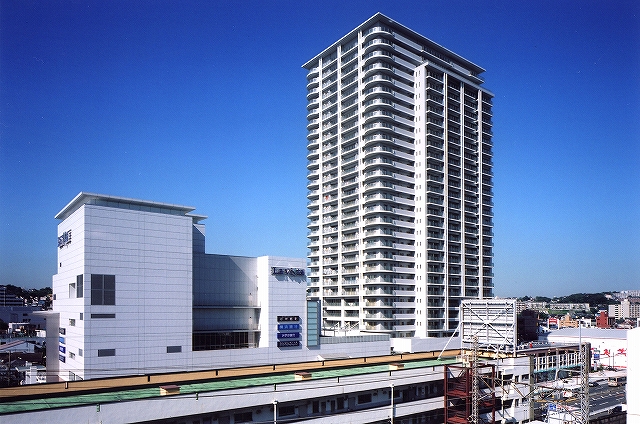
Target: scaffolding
[{"x": 467, "y": 398}]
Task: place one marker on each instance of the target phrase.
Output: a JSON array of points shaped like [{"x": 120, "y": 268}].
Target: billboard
[{"x": 491, "y": 321}]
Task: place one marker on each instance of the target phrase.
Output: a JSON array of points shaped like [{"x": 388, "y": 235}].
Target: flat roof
[
  {"x": 594, "y": 333},
  {"x": 9, "y": 405},
  {"x": 84, "y": 198},
  {"x": 385, "y": 19}
]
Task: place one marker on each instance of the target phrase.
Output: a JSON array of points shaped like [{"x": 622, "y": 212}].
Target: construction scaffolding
[{"x": 469, "y": 398}]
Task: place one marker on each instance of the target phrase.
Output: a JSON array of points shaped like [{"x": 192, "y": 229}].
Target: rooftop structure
[{"x": 368, "y": 389}]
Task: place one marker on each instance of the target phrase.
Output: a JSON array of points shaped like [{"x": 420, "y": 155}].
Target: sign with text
[
  {"x": 64, "y": 239},
  {"x": 288, "y": 335},
  {"x": 289, "y": 343},
  {"x": 294, "y": 272},
  {"x": 285, "y": 327},
  {"x": 288, "y": 318}
]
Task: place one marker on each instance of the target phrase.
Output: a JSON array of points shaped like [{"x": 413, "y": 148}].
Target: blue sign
[
  {"x": 288, "y": 335},
  {"x": 596, "y": 356},
  {"x": 552, "y": 407},
  {"x": 62, "y": 349},
  {"x": 62, "y": 358},
  {"x": 61, "y": 340},
  {"x": 289, "y": 343},
  {"x": 288, "y": 327}
]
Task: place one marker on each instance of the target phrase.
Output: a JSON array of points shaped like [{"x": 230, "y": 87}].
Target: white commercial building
[
  {"x": 633, "y": 376},
  {"x": 135, "y": 293},
  {"x": 400, "y": 182},
  {"x": 608, "y": 346}
]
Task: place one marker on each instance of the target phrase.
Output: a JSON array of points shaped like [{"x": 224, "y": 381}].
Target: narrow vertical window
[{"x": 79, "y": 286}]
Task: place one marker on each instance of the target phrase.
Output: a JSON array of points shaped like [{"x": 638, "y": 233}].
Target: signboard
[
  {"x": 289, "y": 343},
  {"x": 64, "y": 239},
  {"x": 288, "y": 318},
  {"x": 489, "y": 322},
  {"x": 294, "y": 272},
  {"x": 285, "y": 327},
  {"x": 288, "y": 335}
]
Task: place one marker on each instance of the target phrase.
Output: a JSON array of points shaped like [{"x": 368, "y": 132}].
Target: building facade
[
  {"x": 413, "y": 389},
  {"x": 627, "y": 308},
  {"x": 400, "y": 182},
  {"x": 135, "y": 293}
]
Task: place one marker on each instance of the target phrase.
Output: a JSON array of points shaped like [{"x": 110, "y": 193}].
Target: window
[
  {"x": 287, "y": 410},
  {"x": 243, "y": 417},
  {"x": 81, "y": 316},
  {"x": 79, "y": 286},
  {"x": 174, "y": 349},
  {"x": 72, "y": 322},
  {"x": 103, "y": 316},
  {"x": 103, "y": 289},
  {"x": 80, "y": 352},
  {"x": 106, "y": 352},
  {"x": 366, "y": 398},
  {"x": 72, "y": 355},
  {"x": 315, "y": 408}
]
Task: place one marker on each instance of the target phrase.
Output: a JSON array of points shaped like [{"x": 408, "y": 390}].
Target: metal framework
[
  {"x": 466, "y": 398},
  {"x": 493, "y": 322}
]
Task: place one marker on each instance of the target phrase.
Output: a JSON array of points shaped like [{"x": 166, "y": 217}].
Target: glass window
[
  {"x": 79, "y": 286},
  {"x": 103, "y": 289},
  {"x": 106, "y": 352}
]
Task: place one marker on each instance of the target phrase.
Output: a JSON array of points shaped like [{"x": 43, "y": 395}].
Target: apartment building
[
  {"x": 400, "y": 182},
  {"x": 627, "y": 308}
]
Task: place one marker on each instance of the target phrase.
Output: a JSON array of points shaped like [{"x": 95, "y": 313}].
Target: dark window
[
  {"x": 366, "y": 398},
  {"x": 243, "y": 417},
  {"x": 287, "y": 410},
  {"x": 103, "y": 289},
  {"x": 106, "y": 352},
  {"x": 103, "y": 316},
  {"x": 174, "y": 349},
  {"x": 340, "y": 403},
  {"x": 315, "y": 408},
  {"x": 79, "y": 286}
]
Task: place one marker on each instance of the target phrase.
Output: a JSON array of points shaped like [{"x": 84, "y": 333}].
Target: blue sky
[{"x": 203, "y": 104}]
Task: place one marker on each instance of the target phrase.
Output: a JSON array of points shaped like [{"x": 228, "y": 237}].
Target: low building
[
  {"x": 399, "y": 388},
  {"x": 608, "y": 346},
  {"x": 27, "y": 318},
  {"x": 633, "y": 376},
  {"x": 603, "y": 320},
  {"x": 8, "y": 299}
]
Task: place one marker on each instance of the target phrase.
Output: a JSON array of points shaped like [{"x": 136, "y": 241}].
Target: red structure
[
  {"x": 458, "y": 394},
  {"x": 603, "y": 320}
]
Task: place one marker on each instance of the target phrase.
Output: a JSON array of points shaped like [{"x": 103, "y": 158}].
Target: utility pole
[{"x": 392, "y": 413}]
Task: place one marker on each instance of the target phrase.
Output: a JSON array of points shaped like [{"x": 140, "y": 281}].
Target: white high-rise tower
[{"x": 400, "y": 182}]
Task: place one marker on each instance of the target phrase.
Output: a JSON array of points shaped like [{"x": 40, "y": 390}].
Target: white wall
[
  {"x": 633, "y": 376},
  {"x": 70, "y": 265}
]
